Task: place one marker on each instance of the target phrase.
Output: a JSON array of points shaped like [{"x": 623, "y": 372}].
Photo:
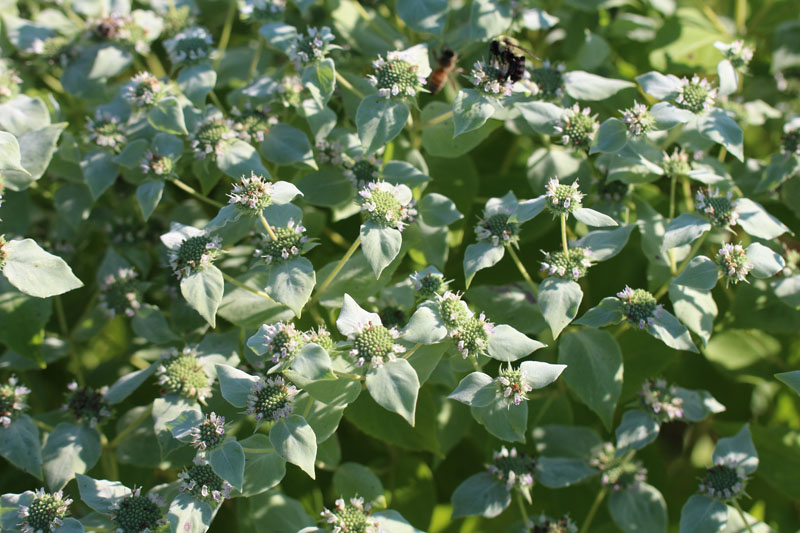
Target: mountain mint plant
[{"x": 285, "y": 266}]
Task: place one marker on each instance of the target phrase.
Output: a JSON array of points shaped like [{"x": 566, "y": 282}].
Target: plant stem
[
  {"x": 193, "y": 192},
  {"x": 267, "y": 226},
  {"x": 241, "y": 285},
  {"x": 258, "y": 450},
  {"x": 436, "y": 120},
  {"x": 256, "y": 57},
  {"x": 130, "y": 427},
  {"x": 522, "y": 511},
  {"x": 411, "y": 351},
  {"x": 522, "y": 269},
  {"x": 337, "y": 268},
  {"x": 226, "y": 32},
  {"x": 216, "y": 100},
  {"x": 742, "y": 515},
  {"x": 741, "y": 16},
  {"x": 672, "y": 189},
  {"x": 564, "y": 236},
  {"x": 348, "y": 376},
  {"x": 42, "y": 425},
  {"x": 697, "y": 244},
  {"x": 349, "y": 86},
  {"x": 593, "y": 510}
]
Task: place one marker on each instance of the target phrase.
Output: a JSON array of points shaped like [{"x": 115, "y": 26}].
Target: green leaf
[
  {"x": 379, "y": 120},
  {"x": 23, "y": 318},
  {"x": 668, "y": 116},
  {"x": 668, "y": 330},
  {"x": 755, "y": 220},
  {"x": 127, "y": 384},
  {"x": 590, "y": 217},
  {"x": 607, "y": 312},
  {"x": 471, "y": 110},
  {"x": 719, "y": 127},
  {"x": 663, "y": 87},
  {"x": 605, "y": 244},
  {"x": 240, "y": 159},
  {"x": 23, "y": 114},
  {"x": 508, "y": 344},
  {"x": 291, "y": 283},
  {"x": 69, "y": 450},
  {"x": 424, "y": 15},
  {"x": 395, "y": 386},
  {"x": 189, "y": 515},
  {"x": 636, "y": 430},
  {"x": 581, "y": 85},
  {"x": 697, "y": 405},
  {"x": 488, "y": 18},
  {"x": 132, "y": 154},
  {"x": 166, "y": 410},
  {"x": 792, "y": 379},
  {"x": 738, "y": 449},
  {"x": 36, "y": 272},
  {"x": 438, "y": 210},
  {"x": 728, "y": 79},
  {"x": 148, "y": 195},
  {"x": 196, "y": 81},
  {"x": 325, "y": 188},
  {"x": 566, "y": 441},
  {"x": 425, "y": 325},
  {"x": 528, "y": 209},
  {"x": 100, "y": 494},
  {"x": 479, "y": 256},
  {"x": 203, "y": 291},
  {"x": 296, "y": 442},
  {"x": 701, "y": 514},
  {"x": 20, "y": 446},
  {"x": 397, "y": 172},
  {"x": 788, "y": 290},
  {"x": 695, "y": 308},
  {"x": 504, "y": 421},
  {"x": 391, "y": 521},
  {"x": 559, "y": 300},
  {"x": 10, "y": 157},
  {"x": 561, "y": 472},
  {"x": 640, "y": 509},
  {"x": 380, "y": 245},
  {"x": 542, "y": 117},
  {"x": 99, "y": 171},
  {"x": 151, "y": 324},
  {"x": 611, "y": 137},
  {"x": 352, "y": 479},
  {"x": 766, "y": 263},
  {"x": 320, "y": 79},
  {"x": 480, "y": 495},
  {"x": 700, "y": 273},
  {"x": 228, "y": 461},
  {"x": 539, "y": 375},
  {"x": 264, "y": 468},
  {"x": 684, "y": 230},
  {"x": 285, "y": 144},
  {"x": 167, "y": 116},
  {"x": 475, "y": 389},
  {"x": 735, "y": 349},
  {"x": 594, "y": 370},
  {"x": 312, "y": 364},
  {"x": 235, "y": 384},
  {"x": 437, "y": 138}
]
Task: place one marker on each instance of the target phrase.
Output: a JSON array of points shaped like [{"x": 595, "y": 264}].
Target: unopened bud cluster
[
  {"x": 513, "y": 385},
  {"x": 144, "y": 90},
  {"x": 677, "y": 163},
  {"x": 311, "y": 48},
  {"x": 87, "y": 404},
  {"x": 661, "y": 400},
  {"x": 514, "y": 469},
  {"x": 157, "y": 164},
  {"x": 374, "y": 343},
  {"x": 211, "y": 137},
  {"x": 203, "y": 483},
  {"x": 194, "y": 254},
  {"x": 696, "y": 95},
  {"x": 453, "y": 310},
  {"x": 544, "y": 524},
  {"x": 352, "y": 516},
  {"x": 387, "y": 205},
  {"x": 333, "y": 152},
  {"x": 106, "y": 130},
  {"x": 497, "y": 229},
  {"x": 13, "y": 398},
  {"x": 620, "y": 473},
  {"x": 576, "y": 127},
  {"x": 362, "y": 171},
  {"x": 46, "y": 512},
  {"x": 281, "y": 341},
  {"x": 251, "y": 194},
  {"x": 549, "y": 81},
  {"x": 271, "y": 399},
  {"x": 120, "y": 294},
  {"x": 9, "y": 83},
  {"x": 396, "y": 77},
  {"x": 429, "y": 285},
  {"x": 209, "y": 433},
  {"x": 472, "y": 336},
  {"x": 639, "y": 120},
  {"x": 180, "y": 372},
  {"x": 253, "y": 124},
  {"x": 726, "y": 480},
  {"x": 791, "y": 141},
  {"x": 571, "y": 266},
  {"x": 720, "y": 210},
  {"x": 289, "y": 243},
  {"x": 138, "y": 514},
  {"x": 732, "y": 260},
  {"x": 562, "y": 199},
  {"x": 639, "y": 306}
]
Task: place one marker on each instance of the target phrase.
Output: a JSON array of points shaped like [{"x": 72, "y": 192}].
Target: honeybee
[{"x": 447, "y": 64}]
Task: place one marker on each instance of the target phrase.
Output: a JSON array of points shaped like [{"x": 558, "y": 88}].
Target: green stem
[
  {"x": 192, "y": 192},
  {"x": 130, "y": 427},
  {"x": 697, "y": 244},
  {"x": 241, "y": 285},
  {"x": 42, "y": 425},
  {"x": 348, "y": 376},
  {"x": 593, "y": 510},
  {"x": 77, "y": 369},
  {"x": 371, "y": 21},
  {"x": 267, "y": 226},
  {"x": 256, "y": 57},
  {"x": 436, "y": 120},
  {"x": 258, "y": 450},
  {"x": 522, "y": 511},
  {"x": 564, "y": 235},
  {"x": 216, "y": 100},
  {"x": 411, "y": 351},
  {"x": 522, "y": 269},
  {"x": 349, "y": 86},
  {"x": 226, "y": 32},
  {"x": 337, "y": 268},
  {"x": 741, "y": 16},
  {"x": 741, "y": 514}
]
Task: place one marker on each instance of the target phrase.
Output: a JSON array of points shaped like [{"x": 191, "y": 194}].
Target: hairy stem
[
  {"x": 267, "y": 226},
  {"x": 742, "y": 515},
  {"x": 593, "y": 510},
  {"x": 349, "y": 86},
  {"x": 697, "y": 244},
  {"x": 522, "y": 269},
  {"x": 436, "y": 120},
  {"x": 522, "y": 511},
  {"x": 225, "y": 37},
  {"x": 130, "y": 427},
  {"x": 337, "y": 268},
  {"x": 241, "y": 285},
  {"x": 193, "y": 192},
  {"x": 564, "y": 235}
]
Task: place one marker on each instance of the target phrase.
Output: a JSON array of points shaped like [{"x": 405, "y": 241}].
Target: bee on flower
[{"x": 720, "y": 210}]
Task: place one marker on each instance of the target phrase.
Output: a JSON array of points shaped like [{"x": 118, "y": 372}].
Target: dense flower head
[
  {"x": 138, "y": 514},
  {"x": 374, "y": 343},
  {"x": 572, "y": 266},
  {"x": 696, "y": 95},
  {"x": 194, "y": 254},
  {"x": 576, "y": 127},
  {"x": 120, "y": 294},
  {"x": 724, "y": 481},
  {"x": 491, "y": 79},
  {"x": 660, "y": 400},
  {"x": 320, "y": 336},
  {"x": 46, "y": 512},
  {"x": 290, "y": 90},
  {"x": 364, "y": 170},
  {"x": 549, "y": 80},
  {"x": 333, "y": 152},
  {"x": 87, "y": 404},
  {"x": 311, "y": 48},
  {"x": 271, "y": 398},
  {"x": 261, "y": 10},
  {"x": 208, "y": 434},
  {"x": 253, "y": 123},
  {"x": 106, "y": 130},
  {"x": 677, "y": 163},
  {"x": 732, "y": 260},
  {"x": 282, "y": 341},
  {"x": 176, "y": 18},
  {"x": 251, "y": 194},
  {"x": 562, "y": 199},
  {"x": 513, "y": 384},
  {"x": 639, "y": 120},
  {"x": 55, "y": 50},
  {"x": 191, "y": 45},
  {"x": 387, "y": 205},
  {"x": 639, "y": 306},
  {"x": 203, "y": 483},
  {"x": 618, "y": 472},
  {"x": 497, "y": 229},
  {"x": 211, "y": 137},
  {"x": 157, "y": 164},
  {"x": 472, "y": 336},
  {"x": 544, "y": 524},
  {"x": 12, "y": 400},
  {"x": 9, "y": 83},
  {"x": 290, "y": 243},
  {"x": 453, "y": 310},
  {"x": 143, "y": 90},
  {"x": 720, "y": 210},
  {"x": 737, "y": 52},
  {"x": 428, "y": 285},
  {"x": 513, "y": 468},
  {"x": 791, "y": 141},
  {"x": 350, "y": 516},
  {"x": 180, "y": 372},
  {"x": 398, "y": 75}
]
